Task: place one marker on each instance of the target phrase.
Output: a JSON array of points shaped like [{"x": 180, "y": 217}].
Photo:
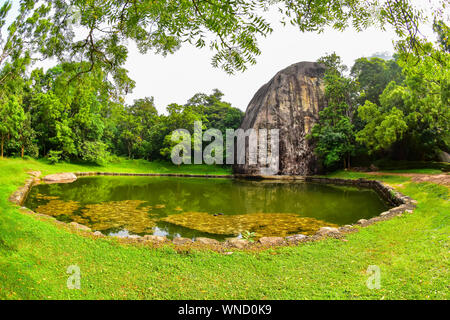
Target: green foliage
[
  {"x": 249, "y": 236},
  {"x": 373, "y": 75},
  {"x": 209, "y": 109},
  {"x": 218, "y": 114},
  {"x": 334, "y": 133},
  {"x": 84, "y": 117},
  {"x": 412, "y": 119},
  {"x": 95, "y": 152},
  {"x": 398, "y": 109},
  {"x": 382, "y": 129},
  {"x": 443, "y": 32},
  {"x": 77, "y": 107},
  {"x": 335, "y": 143},
  {"x": 215, "y": 24},
  {"x": 231, "y": 29},
  {"x": 54, "y": 156},
  {"x": 12, "y": 118}
]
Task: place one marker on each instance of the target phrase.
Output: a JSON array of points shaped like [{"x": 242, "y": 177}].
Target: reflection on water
[{"x": 194, "y": 207}]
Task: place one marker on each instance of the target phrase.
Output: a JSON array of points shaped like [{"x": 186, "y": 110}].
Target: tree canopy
[
  {"x": 397, "y": 109},
  {"x": 75, "y": 110},
  {"x": 98, "y": 31}
]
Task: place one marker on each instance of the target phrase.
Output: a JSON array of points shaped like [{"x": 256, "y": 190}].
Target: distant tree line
[
  {"x": 76, "y": 110},
  {"x": 50, "y": 114},
  {"x": 395, "y": 109}
]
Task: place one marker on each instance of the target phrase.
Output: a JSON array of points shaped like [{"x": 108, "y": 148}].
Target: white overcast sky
[{"x": 177, "y": 77}]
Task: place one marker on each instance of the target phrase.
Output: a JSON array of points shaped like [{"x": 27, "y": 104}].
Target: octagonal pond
[{"x": 203, "y": 207}]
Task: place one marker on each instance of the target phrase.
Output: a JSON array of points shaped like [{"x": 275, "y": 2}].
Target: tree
[
  {"x": 12, "y": 117},
  {"x": 373, "y": 75},
  {"x": 73, "y": 115},
  {"x": 412, "y": 121},
  {"x": 334, "y": 133},
  {"x": 335, "y": 143},
  {"x": 230, "y": 28},
  {"x": 95, "y": 152},
  {"x": 145, "y": 112},
  {"x": 180, "y": 117},
  {"x": 26, "y": 136},
  {"x": 52, "y": 123},
  {"x": 382, "y": 128},
  {"x": 443, "y": 33},
  {"x": 219, "y": 114},
  {"x": 21, "y": 38},
  {"x": 130, "y": 131}
]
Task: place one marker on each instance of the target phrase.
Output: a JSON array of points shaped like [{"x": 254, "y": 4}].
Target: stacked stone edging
[
  {"x": 84, "y": 174},
  {"x": 402, "y": 203},
  {"x": 19, "y": 196},
  {"x": 388, "y": 193}
]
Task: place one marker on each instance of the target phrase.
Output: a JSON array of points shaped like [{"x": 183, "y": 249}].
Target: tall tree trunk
[
  {"x": 3, "y": 141},
  {"x": 22, "y": 150}
]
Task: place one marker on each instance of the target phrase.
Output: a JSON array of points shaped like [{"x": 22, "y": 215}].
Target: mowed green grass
[{"x": 412, "y": 252}]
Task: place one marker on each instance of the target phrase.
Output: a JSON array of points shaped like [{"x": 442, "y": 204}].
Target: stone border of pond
[{"x": 402, "y": 204}]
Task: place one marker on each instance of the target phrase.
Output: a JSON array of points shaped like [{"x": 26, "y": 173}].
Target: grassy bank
[
  {"x": 412, "y": 252},
  {"x": 122, "y": 165}
]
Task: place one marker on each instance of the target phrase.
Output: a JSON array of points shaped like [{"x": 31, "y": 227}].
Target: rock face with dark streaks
[{"x": 290, "y": 102}]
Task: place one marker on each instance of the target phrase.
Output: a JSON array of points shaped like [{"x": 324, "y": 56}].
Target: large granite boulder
[{"x": 290, "y": 102}]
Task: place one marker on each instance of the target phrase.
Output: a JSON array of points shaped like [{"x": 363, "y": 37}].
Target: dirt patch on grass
[{"x": 443, "y": 178}]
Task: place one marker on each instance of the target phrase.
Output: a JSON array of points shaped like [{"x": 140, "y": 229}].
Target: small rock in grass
[
  {"x": 361, "y": 221},
  {"x": 134, "y": 237},
  {"x": 296, "y": 238},
  {"x": 207, "y": 241},
  {"x": 238, "y": 243},
  {"x": 384, "y": 213},
  {"x": 181, "y": 241},
  {"x": 79, "y": 226},
  {"x": 98, "y": 234},
  {"x": 271, "y": 241},
  {"x": 154, "y": 238},
  {"x": 328, "y": 230}
]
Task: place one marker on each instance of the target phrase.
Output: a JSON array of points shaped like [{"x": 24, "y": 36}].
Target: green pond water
[{"x": 203, "y": 207}]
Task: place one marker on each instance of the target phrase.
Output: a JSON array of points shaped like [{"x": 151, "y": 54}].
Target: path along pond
[{"x": 203, "y": 207}]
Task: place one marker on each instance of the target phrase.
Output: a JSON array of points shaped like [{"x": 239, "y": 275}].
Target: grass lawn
[{"x": 412, "y": 252}]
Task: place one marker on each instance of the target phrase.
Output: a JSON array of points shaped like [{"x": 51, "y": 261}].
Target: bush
[
  {"x": 114, "y": 159},
  {"x": 95, "y": 152},
  {"x": 32, "y": 151},
  {"x": 54, "y": 156}
]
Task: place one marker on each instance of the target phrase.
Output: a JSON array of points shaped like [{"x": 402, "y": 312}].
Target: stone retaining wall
[
  {"x": 387, "y": 193},
  {"x": 84, "y": 174},
  {"x": 402, "y": 204}
]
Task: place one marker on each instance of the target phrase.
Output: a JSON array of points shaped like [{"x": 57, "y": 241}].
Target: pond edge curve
[{"x": 402, "y": 204}]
